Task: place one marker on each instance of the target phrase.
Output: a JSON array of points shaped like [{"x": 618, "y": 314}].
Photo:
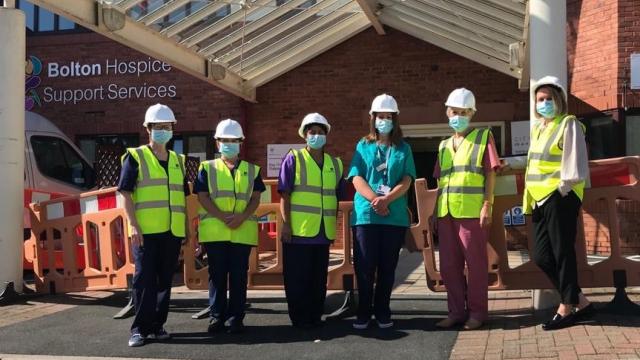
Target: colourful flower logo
[{"x": 32, "y": 70}]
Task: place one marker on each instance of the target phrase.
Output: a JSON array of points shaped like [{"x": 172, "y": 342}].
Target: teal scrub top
[{"x": 366, "y": 159}]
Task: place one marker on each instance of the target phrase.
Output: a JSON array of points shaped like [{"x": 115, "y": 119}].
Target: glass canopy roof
[{"x": 246, "y": 43}]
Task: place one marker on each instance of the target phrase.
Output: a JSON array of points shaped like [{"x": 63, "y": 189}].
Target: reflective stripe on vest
[
  {"x": 231, "y": 193},
  {"x": 313, "y": 200},
  {"x": 544, "y": 161},
  {"x": 159, "y": 199},
  {"x": 461, "y": 182}
]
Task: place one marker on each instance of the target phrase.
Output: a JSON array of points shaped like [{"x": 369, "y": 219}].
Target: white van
[{"x": 53, "y": 166}]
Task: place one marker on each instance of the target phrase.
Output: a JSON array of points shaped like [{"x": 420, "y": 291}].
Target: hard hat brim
[
  {"x": 454, "y": 106},
  {"x": 384, "y": 110},
  {"x": 301, "y": 128},
  {"x": 144, "y": 124}
]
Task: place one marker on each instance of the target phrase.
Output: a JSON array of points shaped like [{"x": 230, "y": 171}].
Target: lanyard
[{"x": 385, "y": 173}]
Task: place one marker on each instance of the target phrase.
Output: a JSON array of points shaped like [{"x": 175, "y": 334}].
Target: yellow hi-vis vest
[
  {"x": 545, "y": 161},
  {"x": 461, "y": 181},
  {"x": 159, "y": 198},
  {"x": 313, "y": 200},
  {"x": 230, "y": 194}
]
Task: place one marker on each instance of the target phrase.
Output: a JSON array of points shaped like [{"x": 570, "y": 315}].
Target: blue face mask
[
  {"x": 546, "y": 108},
  {"x": 161, "y": 136},
  {"x": 459, "y": 123},
  {"x": 316, "y": 141},
  {"x": 229, "y": 150},
  {"x": 384, "y": 126}
]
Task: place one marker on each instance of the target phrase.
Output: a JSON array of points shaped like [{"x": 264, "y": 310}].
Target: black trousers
[
  {"x": 305, "y": 281},
  {"x": 376, "y": 249},
  {"x": 555, "y": 227},
  {"x": 155, "y": 263},
  {"x": 227, "y": 261}
]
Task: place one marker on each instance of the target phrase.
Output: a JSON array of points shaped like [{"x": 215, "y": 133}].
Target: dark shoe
[
  {"x": 215, "y": 325},
  {"x": 160, "y": 334},
  {"x": 317, "y": 323},
  {"x": 235, "y": 326},
  {"x": 384, "y": 323},
  {"x": 361, "y": 324},
  {"x": 586, "y": 312},
  {"x": 558, "y": 322}
]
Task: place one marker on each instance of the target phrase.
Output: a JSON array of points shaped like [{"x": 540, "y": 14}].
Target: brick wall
[
  {"x": 342, "y": 82},
  {"x": 629, "y": 42},
  {"x": 592, "y": 30}
]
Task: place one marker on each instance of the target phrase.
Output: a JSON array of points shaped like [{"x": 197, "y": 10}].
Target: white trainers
[{"x": 136, "y": 340}]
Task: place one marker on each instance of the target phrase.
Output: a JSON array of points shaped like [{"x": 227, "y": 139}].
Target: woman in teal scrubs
[{"x": 382, "y": 170}]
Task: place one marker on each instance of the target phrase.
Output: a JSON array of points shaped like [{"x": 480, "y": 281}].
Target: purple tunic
[{"x": 286, "y": 180}]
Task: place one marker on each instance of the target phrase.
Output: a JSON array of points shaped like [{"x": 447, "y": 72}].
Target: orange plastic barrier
[
  {"x": 267, "y": 275},
  {"x": 88, "y": 234},
  {"x": 36, "y": 196},
  {"x": 611, "y": 180}
]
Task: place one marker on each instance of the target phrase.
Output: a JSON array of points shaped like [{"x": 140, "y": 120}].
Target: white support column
[
  {"x": 12, "y": 57},
  {"x": 547, "y": 56},
  {"x": 548, "y": 42}
]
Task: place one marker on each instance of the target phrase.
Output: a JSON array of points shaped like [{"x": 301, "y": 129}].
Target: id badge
[{"x": 383, "y": 190}]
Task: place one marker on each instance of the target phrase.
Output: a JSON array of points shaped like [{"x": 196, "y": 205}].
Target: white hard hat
[
  {"x": 384, "y": 103},
  {"x": 461, "y": 98},
  {"x": 313, "y": 118},
  {"x": 229, "y": 129},
  {"x": 552, "y": 81},
  {"x": 158, "y": 113}
]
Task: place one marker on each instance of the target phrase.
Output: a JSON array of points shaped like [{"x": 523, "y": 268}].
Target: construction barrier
[
  {"x": 89, "y": 232},
  {"x": 611, "y": 180},
  {"x": 35, "y": 196},
  {"x": 267, "y": 275}
]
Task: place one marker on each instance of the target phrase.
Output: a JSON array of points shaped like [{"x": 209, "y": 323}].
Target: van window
[{"x": 56, "y": 159}]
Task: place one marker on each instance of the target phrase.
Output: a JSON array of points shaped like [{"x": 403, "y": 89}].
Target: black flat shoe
[
  {"x": 215, "y": 325},
  {"x": 558, "y": 322},
  {"x": 586, "y": 312}
]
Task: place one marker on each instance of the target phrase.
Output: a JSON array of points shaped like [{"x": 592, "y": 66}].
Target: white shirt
[{"x": 574, "y": 166}]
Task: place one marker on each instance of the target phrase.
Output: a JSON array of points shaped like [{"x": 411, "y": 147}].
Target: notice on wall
[
  {"x": 635, "y": 71},
  {"x": 520, "y": 131},
  {"x": 275, "y": 154}
]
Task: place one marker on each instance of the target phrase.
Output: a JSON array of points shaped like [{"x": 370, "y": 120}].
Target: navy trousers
[
  {"x": 305, "y": 281},
  {"x": 155, "y": 264},
  {"x": 227, "y": 262},
  {"x": 376, "y": 250}
]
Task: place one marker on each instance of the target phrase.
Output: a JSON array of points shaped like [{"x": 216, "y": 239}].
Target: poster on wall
[
  {"x": 275, "y": 154},
  {"x": 635, "y": 71},
  {"x": 520, "y": 137}
]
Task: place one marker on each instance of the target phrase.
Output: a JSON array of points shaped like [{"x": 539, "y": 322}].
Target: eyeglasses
[
  {"x": 232, "y": 141},
  {"x": 168, "y": 127}
]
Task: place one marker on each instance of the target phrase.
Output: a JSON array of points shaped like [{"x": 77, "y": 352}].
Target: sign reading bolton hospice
[{"x": 110, "y": 68}]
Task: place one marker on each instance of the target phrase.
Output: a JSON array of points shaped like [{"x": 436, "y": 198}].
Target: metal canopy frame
[{"x": 239, "y": 45}]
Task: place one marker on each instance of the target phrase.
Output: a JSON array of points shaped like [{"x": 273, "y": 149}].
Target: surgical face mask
[
  {"x": 384, "y": 126},
  {"x": 459, "y": 123},
  {"x": 316, "y": 141},
  {"x": 229, "y": 150},
  {"x": 546, "y": 108},
  {"x": 161, "y": 136}
]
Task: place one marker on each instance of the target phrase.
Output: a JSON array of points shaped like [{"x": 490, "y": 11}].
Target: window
[
  {"x": 56, "y": 159},
  {"x": 633, "y": 133},
  {"x": 90, "y": 145},
  {"x": 40, "y": 20},
  {"x": 196, "y": 145},
  {"x": 603, "y": 134}
]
